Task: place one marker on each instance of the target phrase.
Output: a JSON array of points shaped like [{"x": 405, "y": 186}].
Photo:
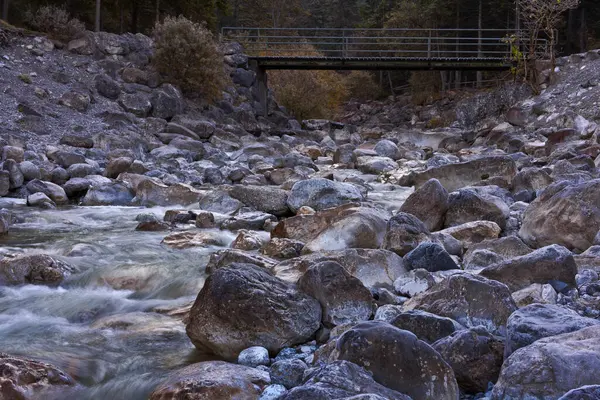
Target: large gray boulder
[
  {"x": 213, "y": 380},
  {"x": 467, "y": 205},
  {"x": 398, "y": 360},
  {"x": 404, "y": 233},
  {"x": 564, "y": 214},
  {"x": 469, "y": 299},
  {"x": 320, "y": 194},
  {"x": 267, "y": 199},
  {"x": 341, "y": 380},
  {"x": 551, "y": 263},
  {"x": 426, "y": 326},
  {"x": 344, "y": 299},
  {"x": 53, "y": 191},
  {"x": 550, "y": 367},
  {"x": 537, "y": 321},
  {"x": 109, "y": 194},
  {"x": 37, "y": 269},
  {"x": 428, "y": 203},
  {"x": 475, "y": 355},
  {"x": 242, "y": 305}
]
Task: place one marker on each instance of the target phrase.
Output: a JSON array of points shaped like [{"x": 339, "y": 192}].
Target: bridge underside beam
[{"x": 413, "y": 64}]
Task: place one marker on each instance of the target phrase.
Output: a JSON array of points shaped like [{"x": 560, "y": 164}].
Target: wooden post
[{"x": 263, "y": 88}]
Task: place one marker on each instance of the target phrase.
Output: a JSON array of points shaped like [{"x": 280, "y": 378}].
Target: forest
[{"x": 579, "y": 31}]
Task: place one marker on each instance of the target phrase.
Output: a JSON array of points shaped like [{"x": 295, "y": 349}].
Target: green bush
[
  {"x": 56, "y": 22},
  {"x": 186, "y": 54}
]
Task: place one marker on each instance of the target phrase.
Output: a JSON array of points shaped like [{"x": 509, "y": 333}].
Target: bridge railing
[{"x": 378, "y": 43}]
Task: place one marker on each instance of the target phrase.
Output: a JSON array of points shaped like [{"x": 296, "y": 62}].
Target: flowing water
[{"x": 106, "y": 325}]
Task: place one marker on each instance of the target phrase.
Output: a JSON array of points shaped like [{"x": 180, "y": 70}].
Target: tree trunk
[
  {"x": 134, "y": 17},
  {"x": 5, "y": 5},
  {"x": 479, "y": 47},
  {"x": 157, "y": 11},
  {"x": 98, "y": 7}
]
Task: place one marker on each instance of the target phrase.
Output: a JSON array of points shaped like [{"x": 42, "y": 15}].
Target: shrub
[
  {"x": 362, "y": 86},
  {"x": 56, "y": 22},
  {"x": 3, "y": 37},
  {"x": 425, "y": 86},
  {"x": 187, "y": 55}
]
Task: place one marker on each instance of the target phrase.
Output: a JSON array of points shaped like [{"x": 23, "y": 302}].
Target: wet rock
[
  {"x": 588, "y": 392},
  {"x": 374, "y": 268},
  {"x": 53, "y": 191},
  {"x": 456, "y": 176},
  {"x": 404, "y": 233},
  {"x": 288, "y": 373},
  {"x": 152, "y": 193},
  {"x": 320, "y": 194},
  {"x": 254, "y": 356},
  {"x": 474, "y": 232},
  {"x": 467, "y": 206},
  {"x": 340, "y": 380},
  {"x": 429, "y": 256},
  {"x": 205, "y": 220},
  {"x": 469, "y": 299},
  {"x": 107, "y": 87},
  {"x": 152, "y": 226},
  {"x": 475, "y": 355},
  {"x": 185, "y": 240},
  {"x": 25, "y": 379},
  {"x": 254, "y": 220},
  {"x": 428, "y": 203},
  {"x": 537, "y": 321},
  {"x": 248, "y": 240},
  {"x": 38, "y": 269},
  {"x": 39, "y": 199},
  {"x": 262, "y": 198},
  {"x": 242, "y": 305},
  {"x": 227, "y": 257},
  {"x": 75, "y": 100},
  {"x": 213, "y": 380},
  {"x": 565, "y": 215},
  {"x": 545, "y": 265},
  {"x": 220, "y": 202},
  {"x": 550, "y": 367},
  {"x": 282, "y": 248},
  {"x": 343, "y": 298},
  {"x": 398, "y": 360},
  {"x": 426, "y": 326},
  {"x": 179, "y": 216},
  {"x": 76, "y": 187},
  {"x": 109, "y": 194},
  {"x": 417, "y": 281}
]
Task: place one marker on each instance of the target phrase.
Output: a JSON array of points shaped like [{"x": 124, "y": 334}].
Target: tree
[{"x": 544, "y": 16}]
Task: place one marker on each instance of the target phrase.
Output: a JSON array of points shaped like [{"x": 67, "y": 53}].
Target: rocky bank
[{"x": 156, "y": 246}]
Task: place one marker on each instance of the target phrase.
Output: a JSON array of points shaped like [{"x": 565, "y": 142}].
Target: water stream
[{"x": 106, "y": 325}]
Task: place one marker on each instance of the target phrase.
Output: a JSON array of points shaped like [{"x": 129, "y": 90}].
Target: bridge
[{"x": 376, "y": 49}]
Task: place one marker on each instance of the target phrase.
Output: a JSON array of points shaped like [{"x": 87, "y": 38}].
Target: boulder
[
  {"x": 404, "y": 233},
  {"x": 459, "y": 175},
  {"x": 75, "y": 100},
  {"x": 428, "y": 203},
  {"x": 152, "y": 193},
  {"x": 282, "y": 248},
  {"x": 387, "y": 148},
  {"x": 374, "y": 268},
  {"x": 39, "y": 199},
  {"x": 417, "y": 281},
  {"x": 375, "y": 165},
  {"x": 15, "y": 177},
  {"x": 13, "y": 153},
  {"x": 254, "y": 356},
  {"x": 467, "y": 205},
  {"x": 167, "y": 102},
  {"x": 29, "y": 170},
  {"x": 24, "y": 379},
  {"x": 116, "y": 166},
  {"x": 77, "y": 141},
  {"x": 4, "y": 183},
  {"x": 242, "y": 305},
  {"x": 213, "y": 380},
  {"x": 398, "y": 360},
  {"x": 138, "y": 104},
  {"x": 262, "y": 198},
  {"x": 186, "y": 240},
  {"x": 223, "y": 258},
  {"x": 475, "y": 232},
  {"x": 53, "y": 191},
  {"x": 109, "y": 194},
  {"x": 248, "y": 240},
  {"x": 475, "y": 355},
  {"x": 588, "y": 392},
  {"x": 537, "y": 321},
  {"x": 566, "y": 215},
  {"x": 426, "y": 326},
  {"x": 37, "y": 269},
  {"x": 66, "y": 158},
  {"x": 344, "y": 299},
  {"x": 5, "y": 221},
  {"x": 253, "y": 220},
  {"x": 107, "y": 86},
  {"x": 492, "y": 251},
  {"x": 320, "y": 194},
  {"x": 76, "y": 187},
  {"x": 341, "y": 380},
  {"x": 429, "y": 256},
  {"x": 550, "y": 367},
  {"x": 545, "y": 265},
  {"x": 219, "y": 202},
  {"x": 469, "y": 299},
  {"x": 288, "y": 373}
]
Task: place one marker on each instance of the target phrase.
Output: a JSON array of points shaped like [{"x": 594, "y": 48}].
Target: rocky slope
[{"x": 375, "y": 259}]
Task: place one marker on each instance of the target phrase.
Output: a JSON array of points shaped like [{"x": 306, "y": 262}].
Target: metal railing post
[{"x": 429, "y": 45}]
